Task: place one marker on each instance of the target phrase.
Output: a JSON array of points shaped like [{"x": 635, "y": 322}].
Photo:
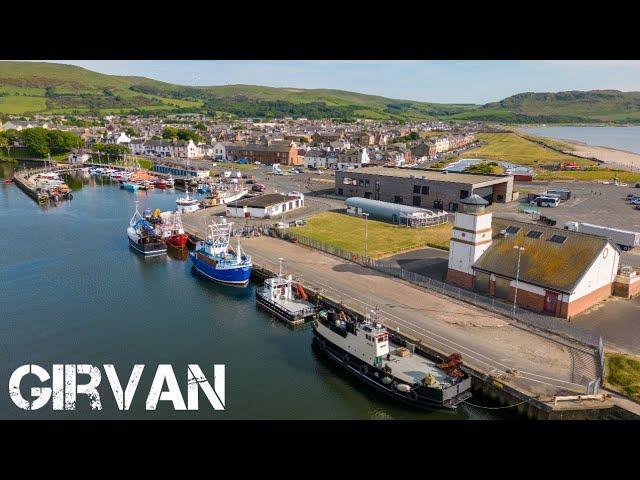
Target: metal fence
[{"x": 591, "y": 342}]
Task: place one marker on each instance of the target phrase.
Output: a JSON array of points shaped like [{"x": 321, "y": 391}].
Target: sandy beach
[{"x": 613, "y": 158}]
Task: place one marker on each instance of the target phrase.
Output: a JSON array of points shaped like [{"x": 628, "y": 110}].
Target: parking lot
[{"x": 590, "y": 202}]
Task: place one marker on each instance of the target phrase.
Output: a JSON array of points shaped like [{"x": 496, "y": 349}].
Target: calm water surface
[
  {"x": 621, "y": 138},
  {"x": 73, "y": 292}
]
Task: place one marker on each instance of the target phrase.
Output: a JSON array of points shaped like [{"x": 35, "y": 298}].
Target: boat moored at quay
[
  {"x": 285, "y": 298},
  {"x": 365, "y": 349},
  {"x": 143, "y": 237},
  {"x": 213, "y": 259}
]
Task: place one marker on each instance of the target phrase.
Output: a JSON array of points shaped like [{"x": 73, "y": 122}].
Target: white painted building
[
  {"x": 442, "y": 144},
  {"x": 354, "y": 158},
  {"x": 184, "y": 149},
  {"x": 76, "y": 157},
  {"x": 117, "y": 139},
  {"x": 540, "y": 268},
  {"x": 266, "y": 206}
]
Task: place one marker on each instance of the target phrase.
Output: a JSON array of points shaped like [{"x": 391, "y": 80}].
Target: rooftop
[
  {"x": 552, "y": 258},
  {"x": 434, "y": 175},
  {"x": 263, "y": 201}
]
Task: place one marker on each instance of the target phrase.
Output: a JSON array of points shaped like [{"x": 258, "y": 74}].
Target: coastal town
[{"x": 440, "y": 262}]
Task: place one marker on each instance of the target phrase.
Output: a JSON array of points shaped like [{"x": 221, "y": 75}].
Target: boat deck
[
  {"x": 415, "y": 367},
  {"x": 295, "y": 306}
]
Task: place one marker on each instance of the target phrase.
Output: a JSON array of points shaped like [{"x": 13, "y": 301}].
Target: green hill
[
  {"x": 592, "y": 106},
  {"x": 39, "y": 87}
]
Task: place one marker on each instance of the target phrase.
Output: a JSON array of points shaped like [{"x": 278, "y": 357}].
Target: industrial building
[
  {"x": 265, "y": 206},
  {"x": 538, "y": 267},
  {"x": 432, "y": 189},
  {"x": 395, "y": 213}
]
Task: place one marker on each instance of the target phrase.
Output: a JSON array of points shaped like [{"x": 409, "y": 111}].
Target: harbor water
[{"x": 74, "y": 292}]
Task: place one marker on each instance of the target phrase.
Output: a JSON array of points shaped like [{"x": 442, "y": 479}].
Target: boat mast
[{"x": 280, "y": 260}]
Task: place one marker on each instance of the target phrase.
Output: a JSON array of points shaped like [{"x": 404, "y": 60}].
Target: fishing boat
[
  {"x": 187, "y": 204},
  {"x": 7, "y": 181},
  {"x": 171, "y": 182},
  {"x": 160, "y": 184},
  {"x": 285, "y": 298},
  {"x": 389, "y": 364},
  {"x": 170, "y": 228},
  {"x": 213, "y": 260},
  {"x": 143, "y": 237},
  {"x": 130, "y": 186}
]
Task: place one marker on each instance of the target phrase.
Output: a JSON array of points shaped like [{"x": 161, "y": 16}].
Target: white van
[{"x": 547, "y": 202}]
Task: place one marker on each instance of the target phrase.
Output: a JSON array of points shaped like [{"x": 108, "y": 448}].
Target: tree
[
  {"x": 169, "y": 133},
  {"x": 112, "y": 150},
  {"x": 60, "y": 141},
  {"x": 36, "y": 140},
  {"x": 201, "y": 126},
  {"x": 130, "y": 132}
]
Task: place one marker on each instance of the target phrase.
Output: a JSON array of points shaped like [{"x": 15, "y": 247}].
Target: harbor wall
[{"x": 482, "y": 383}]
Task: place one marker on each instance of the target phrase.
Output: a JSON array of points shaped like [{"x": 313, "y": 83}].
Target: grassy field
[
  {"x": 513, "y": 148},
  {"x": 594, "y": 175},
  {"x": 622, "y": 373},
  {"x": 347, "y": 232}
]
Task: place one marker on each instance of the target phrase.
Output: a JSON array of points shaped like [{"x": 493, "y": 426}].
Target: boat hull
[
  {"x": 178, "y": 241},
  {"x": 148, "y": 249},
  {"x": 238, "y": 276},
  {"x": 280, "y": 312},
  {"x": 427, "y": 400}
]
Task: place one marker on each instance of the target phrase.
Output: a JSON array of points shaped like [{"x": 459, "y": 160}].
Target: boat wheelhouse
[
  {"x": 285, "y": 298},
  {"x": 213, "y": 260},
  {"x": 367, "y": 350},
  {"x": 187, "y": 204}
]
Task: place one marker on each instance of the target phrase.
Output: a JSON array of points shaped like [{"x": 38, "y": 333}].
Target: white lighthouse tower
[{"x": 470, "y": 238}]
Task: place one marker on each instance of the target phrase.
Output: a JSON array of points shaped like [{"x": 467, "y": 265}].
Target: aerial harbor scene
[{"x": 238, "y": 249}]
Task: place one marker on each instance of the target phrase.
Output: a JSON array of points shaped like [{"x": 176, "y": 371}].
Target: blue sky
[{"x": 452, "y": 81}]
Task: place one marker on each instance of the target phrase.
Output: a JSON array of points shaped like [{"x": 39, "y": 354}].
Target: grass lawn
[
  {"x": 512, "y": 148},
  {"x": 347, "y": 232},
  {"x": 594, "y": 175},
  {"x": 622, "y": 373}
]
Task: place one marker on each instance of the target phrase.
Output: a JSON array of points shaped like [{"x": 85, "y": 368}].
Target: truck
[{"x": 625, "y": 239}]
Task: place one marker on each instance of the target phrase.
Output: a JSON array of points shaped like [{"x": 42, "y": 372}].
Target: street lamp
[
  {"x": 515, "y": 294},
  {"x": 366, "y": 216}
]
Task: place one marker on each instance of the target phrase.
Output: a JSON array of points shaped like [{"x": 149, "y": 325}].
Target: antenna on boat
[{"x": 280, "y": 260}]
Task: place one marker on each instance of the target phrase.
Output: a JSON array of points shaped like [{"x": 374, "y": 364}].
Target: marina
[{"x": 178, "y": 317}]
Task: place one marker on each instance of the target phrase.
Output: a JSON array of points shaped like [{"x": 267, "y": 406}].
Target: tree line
[{"x": 39, "y": 141}]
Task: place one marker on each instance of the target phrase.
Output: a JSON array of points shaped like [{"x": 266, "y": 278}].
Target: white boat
[
  {"x": 285, "y": 298},
  {"x": 187, "y": 204},
  {"x": 143, "y": 238}
]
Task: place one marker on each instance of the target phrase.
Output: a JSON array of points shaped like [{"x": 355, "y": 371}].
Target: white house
[
  {"x": 266, "y": 206},
  {"x": 22, "y": 125},
  {"x": 442, "y": 144},
  {"x": 138, "y": 147},
  {"x": 117, "y": 138},
  {"x": 319, "y": 158},
  {"x": 184, "y": 149},
  {"x": 219, "y": 151},
  {"x": 353, "y": 158}
]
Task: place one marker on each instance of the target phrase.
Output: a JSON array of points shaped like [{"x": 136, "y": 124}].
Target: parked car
[{"x": 249, "y": 182}]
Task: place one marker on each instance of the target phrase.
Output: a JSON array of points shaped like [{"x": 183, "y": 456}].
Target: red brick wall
[
  {"x": 528, "y": 300},
  {"x": 626, "y": 290},
  {"x": 583, "y": 303},
  {"x": 461, "y": 279}
]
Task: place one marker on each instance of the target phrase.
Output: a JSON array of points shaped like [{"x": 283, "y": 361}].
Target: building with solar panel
[{"x": 554, "y": 271}]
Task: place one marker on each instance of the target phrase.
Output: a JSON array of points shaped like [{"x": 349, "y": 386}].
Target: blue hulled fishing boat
[{"x": 213, "y": 259}]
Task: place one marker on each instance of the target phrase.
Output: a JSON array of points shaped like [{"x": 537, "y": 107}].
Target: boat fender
[
  {"x": 413, "y": 395},
  {"x": 386, "y": 380},
  {"x": 403, "y": 387},
  {"x": 364, "y": 369}
]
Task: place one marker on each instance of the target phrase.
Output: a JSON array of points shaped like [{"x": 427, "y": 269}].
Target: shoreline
[{"x": 610, "y": 156}]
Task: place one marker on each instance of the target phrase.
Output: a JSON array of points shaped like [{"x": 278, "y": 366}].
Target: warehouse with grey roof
[{"x": 431, "y": 189}]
